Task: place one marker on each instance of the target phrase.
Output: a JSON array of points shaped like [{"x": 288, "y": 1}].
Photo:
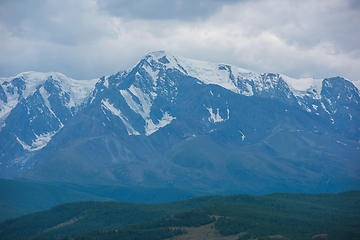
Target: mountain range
[{"x": 175, "y": 122}]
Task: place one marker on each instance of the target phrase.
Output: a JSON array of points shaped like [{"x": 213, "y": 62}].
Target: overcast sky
[{"x": 86, "y": 39}]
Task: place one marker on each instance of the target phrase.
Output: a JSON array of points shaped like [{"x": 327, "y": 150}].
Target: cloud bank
[{"x": 89, "y": 39}]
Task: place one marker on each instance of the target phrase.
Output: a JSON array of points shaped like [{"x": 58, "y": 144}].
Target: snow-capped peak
[
  {"x": 229, "y": 76},
  {"x": 77, "y": 89},
  {"x": 166, "y": 59},
  {"x": 241, "y": 81},
  {"x": 224, "y": 75},
  {"x": 25, "y": 84}
]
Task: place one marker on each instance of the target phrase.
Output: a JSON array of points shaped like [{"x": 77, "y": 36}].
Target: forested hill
[{"x": 291, "y": 215}]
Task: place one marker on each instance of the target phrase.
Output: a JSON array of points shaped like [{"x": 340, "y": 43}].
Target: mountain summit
[{"x": 173, "y": 121}]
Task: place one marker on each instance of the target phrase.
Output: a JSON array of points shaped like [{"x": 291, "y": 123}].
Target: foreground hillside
[{"x": 293, "y": 216}]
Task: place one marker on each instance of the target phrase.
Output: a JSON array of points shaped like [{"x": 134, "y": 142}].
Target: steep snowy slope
[
  {"x": 340, "y": 107},
  {"x": 33, "y": 108},
  {"x": 180, "y": 122},
  {"x": 310, "y": 94}
]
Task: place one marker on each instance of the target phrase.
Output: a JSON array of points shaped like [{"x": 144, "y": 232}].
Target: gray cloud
[
  {"x": 164, "y": 9},
  {"x": 64, "y": 22},
  {"x": 90, "y": 38}
]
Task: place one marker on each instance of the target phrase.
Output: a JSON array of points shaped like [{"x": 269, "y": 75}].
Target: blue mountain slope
[
  {"x": 166, "y": 124},
  {"x": 172, "y": 121}
]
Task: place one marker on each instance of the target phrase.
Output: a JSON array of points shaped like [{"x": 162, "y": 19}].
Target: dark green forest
[{"x": 293, "y": 215}]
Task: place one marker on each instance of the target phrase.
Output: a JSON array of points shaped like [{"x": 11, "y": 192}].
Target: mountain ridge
[{"x": 147, "y": 125}]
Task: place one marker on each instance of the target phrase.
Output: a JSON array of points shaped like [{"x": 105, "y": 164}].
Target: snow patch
[
  {"x": 143, "y": 109},
  {"x": 304, "y": 86},
  {"x": 243, "y": 135},
  {"x": 215, "y": 117},
  {"x": 153, "y": 74},
  {"x": 323, "y": 106},
  {"x": 106, "y": 82},
  {"x": 150, "y": 127},
  {"x": 6, "y": 109},
  {"x": 172, "y": 61},
  {"x": 249, "y": 92},
  {"x": 208, "y": 73},
  {"x": 40, "y": 142},
  {"x": 107, "y": 105},
  {"x": 45, "y": 95},
  {"x": 342, "y": 143}
]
